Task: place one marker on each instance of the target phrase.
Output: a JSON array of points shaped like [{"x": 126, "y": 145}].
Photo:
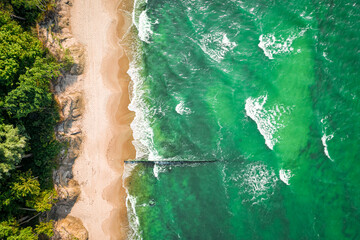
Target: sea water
[{"x": 270, "y": 90}]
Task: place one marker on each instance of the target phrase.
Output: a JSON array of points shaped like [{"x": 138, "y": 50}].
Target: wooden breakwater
[{"x": 168, "y": 162}]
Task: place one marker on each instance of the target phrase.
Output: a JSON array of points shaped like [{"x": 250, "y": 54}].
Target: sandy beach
[{"x": 99, "y": 25}]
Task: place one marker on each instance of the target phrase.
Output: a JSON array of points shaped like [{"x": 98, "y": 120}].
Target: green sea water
[{"x": 268, "y": 89}]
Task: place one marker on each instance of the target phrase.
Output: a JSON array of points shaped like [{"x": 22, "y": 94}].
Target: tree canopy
[
  {"x": 28, "y": 115},
  {"x": 12, "y": 146}
]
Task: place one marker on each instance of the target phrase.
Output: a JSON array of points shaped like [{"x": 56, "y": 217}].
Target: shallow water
[{"x": 270, "y": 90}]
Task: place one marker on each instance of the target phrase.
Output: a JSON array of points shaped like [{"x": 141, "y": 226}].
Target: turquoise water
[{"x": 268, "y": 89}]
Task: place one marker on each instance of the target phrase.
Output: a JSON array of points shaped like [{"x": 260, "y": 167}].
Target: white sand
[{"x": 107, "y": 136}]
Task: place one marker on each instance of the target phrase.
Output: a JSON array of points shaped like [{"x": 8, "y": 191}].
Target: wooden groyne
[{"x": 169, "y": 162}]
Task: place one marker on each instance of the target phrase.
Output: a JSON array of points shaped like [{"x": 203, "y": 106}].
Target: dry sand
[{"x": 98, "y": 24}]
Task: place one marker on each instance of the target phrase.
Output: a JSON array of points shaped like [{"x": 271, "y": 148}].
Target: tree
[
  {"x": 45, "y": 228},
  {"x": 29, "y": 9},
  {"x": 42, "y": 71},
  {"x": 43, "y": 201},
  {"x": 12, "y": 146},
  {"x": 33, "y": 93},
  {"x": 7, "y": 229},
  {"x": 28, "y": 4},
  {"x": 18, "y": 50},
  {"x": 26, "y": 99},
  {"x": 28, "y": 115},
  {"x": 22, "y": 196},
  {"x": 11, "y": 230},
  {"x": 33, "y": 104},
  {"x": 25, "y": 186},
  {"x": 24, "y": 234}
]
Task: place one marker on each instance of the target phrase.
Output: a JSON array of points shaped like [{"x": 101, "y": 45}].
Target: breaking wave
[
  {"x": 216, "y": 45},
  {"x": 285, "y": 176},
  {"x": 325, "y": 138},
  {"x": 134, "y": 222},
  {"x": 272, "y": 45},
  {"x": 181, "y": 109},
  {"x": 268, "y": 121},
  {"x": 257, "y": 182},
  {"x": 142, "y": 21}
]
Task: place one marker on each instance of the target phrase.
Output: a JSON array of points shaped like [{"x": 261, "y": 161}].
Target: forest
[{"x": 29, "y": 113}]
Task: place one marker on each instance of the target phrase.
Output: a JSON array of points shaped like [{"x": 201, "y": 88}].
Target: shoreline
[{"x": 106, "y": 120}]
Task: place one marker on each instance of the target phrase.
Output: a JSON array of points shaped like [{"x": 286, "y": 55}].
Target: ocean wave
[
  {"x": 134, "y": 222},
  {"x": 268, "y": 121},
  {"x": 144, "y": 29},
  {"x": 272, "y": 45},
  {"x": 325, "y": 138},
  {"x": 141, "y": 21},
  {"x": 158, "y": 169},
  {"x": 257, "y": 182},
  {"x": 181, "y": 109},
  {"x": 142, "y": 132},
  {"x": 216, "y": 45},
  {"x": 285, "y": 176}
]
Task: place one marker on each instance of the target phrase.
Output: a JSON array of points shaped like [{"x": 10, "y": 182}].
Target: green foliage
[
  {"x": 23, "y": 195},
  {"x": 26, "y": 99},
  {"x": 28, "y": 115},
  {"x": 7, "y": 229},
  {"x": 33, "y": 104},
  {"x": 24, "y": 234},
  {"x": 28, "y": 4},
  {"x": 12, "y": 146},
  {"x": 33, "y": 93},
  {"x": 45, "y": 148},
  {"x": 45, "y": 228},
  {"x": 68, "y": 61},
  {"x": 43, "y": 201},
  {"x": 30, "y": 10},
  {"x": 18, "y": 50},
  {"x": 25, "y": 185},
  {"x": 43, "y": 70},
  {"x": 11, "y": 230}
]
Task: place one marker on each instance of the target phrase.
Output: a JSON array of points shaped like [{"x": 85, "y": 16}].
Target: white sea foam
[
  {"x": 138, "y": 5},
  {"x": 224, "y": 180},
  {"x": 145, "y": 26},
  {"x": 142, "y": 132},
  {"x": 143, "y": 140},
  {"x": 268, "y": 121},
  {"x": 272, "y": 45},
  {"x": 249, "y": 7},
  {"x": 216, "y": 45},
  {"x": 305, "y": 16},
  {"x": 285, "y": 176},
  {"x": 326, "y": 137},
  {"x": 325, "y": 55},
  {"x": 158, "y": 169},
  {"x": 141, "y": 21},
  {"x": 257, "y": 182},
  {"x": 219, "y": 151},
  {"x": 181, "y": 109},
  {"x": 133, "y": 219}
]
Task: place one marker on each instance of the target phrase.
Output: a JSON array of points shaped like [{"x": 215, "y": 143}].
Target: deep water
[{"x": 268, "y": 89}]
